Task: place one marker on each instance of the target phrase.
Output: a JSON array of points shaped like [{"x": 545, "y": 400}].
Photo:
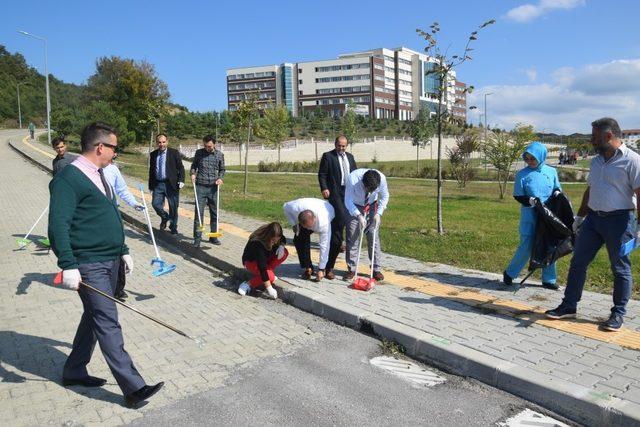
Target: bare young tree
[
  {"x": 460, "y": 156},
  {"x": 444, "y": 64}
]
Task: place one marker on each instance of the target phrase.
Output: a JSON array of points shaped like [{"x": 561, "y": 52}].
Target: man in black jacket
[
  {"x": 166, "y": 178},
  {"x": 335, "y": 167}
]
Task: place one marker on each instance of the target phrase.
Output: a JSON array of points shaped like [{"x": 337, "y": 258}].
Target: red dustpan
[{"x": 365, "y": 283}]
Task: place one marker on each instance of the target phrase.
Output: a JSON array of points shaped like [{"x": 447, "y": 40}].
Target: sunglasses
[{"x": 115, "y": 148}]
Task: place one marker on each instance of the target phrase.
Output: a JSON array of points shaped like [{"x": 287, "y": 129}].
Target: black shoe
[
  {"x": 553, "y": 286},
  {"x": 87, "y": 381},
  {"x": 215, "y": 241},
  {"x": 134, "y": 399},
  {"x": 121, "y": 296},
  {"x": 163, "y": 224},
  {"x": 506, "y": 280},
  {"x": 614, "y": 324},
  {"x": 560, "y": 313},
  {"x": 174, "y": 231},
  {"x": 196, "y": 243}
]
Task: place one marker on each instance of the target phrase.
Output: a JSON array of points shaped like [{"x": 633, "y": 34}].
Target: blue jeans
[
  {"x": 612, "y": 231},
  {"x": 100, "y": 324},
  {"x": 163, "y": 190},
  {"x": 521, "y": 257}
]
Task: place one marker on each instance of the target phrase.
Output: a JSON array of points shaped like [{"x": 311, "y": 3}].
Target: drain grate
[
  {"x": 408, "y": 371},
  {"x": 529, "y": 418}
]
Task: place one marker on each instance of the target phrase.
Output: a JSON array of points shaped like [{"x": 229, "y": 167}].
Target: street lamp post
[
  {"x": 485, "y": 125},
  {"x": 46, "y": 76},
  {"x": 19, "y": 109}
]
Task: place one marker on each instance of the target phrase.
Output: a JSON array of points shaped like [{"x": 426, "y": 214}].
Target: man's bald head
[{"x": 306, "y": 219}]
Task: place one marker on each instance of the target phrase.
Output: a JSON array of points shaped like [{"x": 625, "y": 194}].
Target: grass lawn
[{"x": 481, "y": 230}]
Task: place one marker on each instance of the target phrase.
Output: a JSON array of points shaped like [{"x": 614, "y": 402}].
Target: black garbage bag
[{"x": 554, "y": 232}]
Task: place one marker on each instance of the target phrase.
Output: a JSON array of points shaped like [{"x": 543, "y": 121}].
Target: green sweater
[{"x": 84, "y": 225}]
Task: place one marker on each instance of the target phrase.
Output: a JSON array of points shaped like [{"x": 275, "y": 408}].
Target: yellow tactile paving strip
[{"x": 524, "y": 312}]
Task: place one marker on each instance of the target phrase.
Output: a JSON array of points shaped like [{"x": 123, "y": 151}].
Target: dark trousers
[
  {"x": 100, "y": 323},
  {"x": 302, "y": 242},
  {"x": 122, "y": 279},
  {"x": 337, "y": 229},
  {"x": 612, "y": 231},
  {"x": 206, "y": 196},
  {"x": 164, "y": 191}
]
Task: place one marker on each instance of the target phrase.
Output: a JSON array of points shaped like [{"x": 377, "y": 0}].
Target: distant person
[
  {"x": 32, "y": 129},
  {"x": 114, "y": 178},
  {"x": 264, "y": 251},
  {"x": 535, "y": 181},
  {"x": 309, "y": 215},
  {"x": 86, "y": 234},
  {"x": 207, "y": 171},
  {"x": 63, "y": 158},
  {"x": 561, "y": 158},
  {"x": 335, "y": 167},
  {"x": 166, "y": 178},
  {"x": 606, "y": 216},
  {"x": 366, "y": 198}
]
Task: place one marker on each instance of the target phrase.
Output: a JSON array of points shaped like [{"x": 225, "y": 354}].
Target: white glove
[
  {"x": 71, "y": 279},
  {"x": 139, "y": 207},
  {"x": 180, "y": 185},
  {"x": 362, "y": 220},
  {"x": 280, "y": 252},
  {"x": 577, "y": 222},
  {"x": 128, "y": 264},
  {"x": 272, "y": 292},
  {"x": 376, "y": 221},
  {"x": 532, "y": 201},
  {"x": 556, "y": 193}
]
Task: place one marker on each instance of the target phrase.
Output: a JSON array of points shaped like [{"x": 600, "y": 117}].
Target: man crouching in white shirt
[{"x": 307, "y": 216}]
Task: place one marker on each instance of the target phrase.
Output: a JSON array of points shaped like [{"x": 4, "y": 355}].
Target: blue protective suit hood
[{"x": 537, "y": 150}]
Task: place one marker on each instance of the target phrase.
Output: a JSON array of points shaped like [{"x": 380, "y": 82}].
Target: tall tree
[
  {"x": 274, "y": 127},
  {"x": 441, "y": 70},
  {"x": 349, "y": 123},
  {"x": 422, "y": 130},
  {"x": 132, "y": 89}
]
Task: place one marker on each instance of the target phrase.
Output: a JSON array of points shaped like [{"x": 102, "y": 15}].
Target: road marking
[
  {"x": 408, "y": 371},
  {"x": 529, "y": 418}
]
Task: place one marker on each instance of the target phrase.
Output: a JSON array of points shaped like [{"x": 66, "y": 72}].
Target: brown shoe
[
  {"x": 349, "y": 276},
  {"x": 378, "y": 276},
  {"x": 307, "y": 274},
  {"x": 330, "y": 275}
]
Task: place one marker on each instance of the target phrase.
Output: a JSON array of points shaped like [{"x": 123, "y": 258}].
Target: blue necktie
[{"x": 161, "y": 162}]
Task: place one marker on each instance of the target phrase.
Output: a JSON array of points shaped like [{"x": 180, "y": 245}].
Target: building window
[{"x": 300, "y": 82}]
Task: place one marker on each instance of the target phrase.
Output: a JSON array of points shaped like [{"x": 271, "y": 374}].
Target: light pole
[
  {"x": 46, "y": 77},
  {"x": 485, "y": 125},
  {"x": 19, "y": 110}
]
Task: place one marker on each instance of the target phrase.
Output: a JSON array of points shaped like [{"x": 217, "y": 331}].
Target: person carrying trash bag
[
  {"x": 535, "y": 181},
  {"x": 264, "y": 251}
]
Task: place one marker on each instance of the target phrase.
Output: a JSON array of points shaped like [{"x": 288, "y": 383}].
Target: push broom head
[
  {"x": 163, "y": 267},
  {"x": 363, "y": 283},
  {"x": 214, "y": 234}
]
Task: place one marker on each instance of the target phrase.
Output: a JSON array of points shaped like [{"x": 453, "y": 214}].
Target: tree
[
  {"x": 348, "y": 123},
  {"x": 274, "y": 127},
  {"x": 132, "y": 89},
  {"x": 460, "y": 156},
  {"x": 441, "y": 70},
  {"x": 245, "y": 117},
  {"x": 503, "y": 149},
  {"x": 422, "y": 130}
]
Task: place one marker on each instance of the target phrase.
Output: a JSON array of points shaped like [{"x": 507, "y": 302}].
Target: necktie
[
  {"x": 107, "y": 187},
  {"x": 345, "y": 168},
  {"x": 161, "y": 159}
]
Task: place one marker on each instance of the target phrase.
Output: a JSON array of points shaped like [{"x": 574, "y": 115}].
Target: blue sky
[{"x": 547, "y": 62}]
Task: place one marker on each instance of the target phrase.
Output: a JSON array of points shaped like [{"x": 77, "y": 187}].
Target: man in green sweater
[{"x": 86, "y": 234}]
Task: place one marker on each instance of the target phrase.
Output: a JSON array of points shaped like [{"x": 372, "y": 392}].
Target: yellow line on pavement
[
  {"x": 525, "y": 313},
  {"x": 33, "y": 147}
]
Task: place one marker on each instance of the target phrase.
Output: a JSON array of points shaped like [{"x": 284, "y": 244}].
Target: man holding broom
[{"x": 86, "y": 234}]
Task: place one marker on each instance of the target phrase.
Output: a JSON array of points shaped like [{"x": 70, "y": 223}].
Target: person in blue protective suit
[{"x": 535, "y": 181}]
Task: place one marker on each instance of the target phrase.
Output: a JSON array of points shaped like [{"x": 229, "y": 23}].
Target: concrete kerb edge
[{"x": 568, "y": 399}]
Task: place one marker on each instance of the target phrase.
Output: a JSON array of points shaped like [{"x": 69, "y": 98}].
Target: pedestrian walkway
[
  {"x": 38, "y": 322},
  {"x": 468, "y": 312}
]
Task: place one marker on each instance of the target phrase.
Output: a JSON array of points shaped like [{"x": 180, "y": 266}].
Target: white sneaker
[
  {"x": 273, "y": 294},
  {"x": 275, "y": 279},
  {"x": 244, "y": 288}
]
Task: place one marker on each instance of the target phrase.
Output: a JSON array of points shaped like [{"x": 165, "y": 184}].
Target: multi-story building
[
  {"x": 631, "y": 137},
  {"x": 382, "y": 83},
  {"x": 459, "y": 110}
]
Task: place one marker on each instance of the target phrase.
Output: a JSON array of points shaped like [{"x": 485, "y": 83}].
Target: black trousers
[
  {"x": 337, "y": 228},
  {"x": 302, "y": 242},
  {"x": 122, "y": 279}
]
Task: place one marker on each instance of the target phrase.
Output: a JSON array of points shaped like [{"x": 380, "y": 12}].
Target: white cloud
[
  {"x": 532, "y": 74},
  {"x": 528, "y": 12},
  {"x": 568, "y": 104}
]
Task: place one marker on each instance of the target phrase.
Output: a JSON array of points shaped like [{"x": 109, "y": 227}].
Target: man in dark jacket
[
  {"x": 207, "y": 171},
  {"x": 166, "y": 178},
  {"x": 335, "y": 167},
  {"x": 63, "y": 158}
]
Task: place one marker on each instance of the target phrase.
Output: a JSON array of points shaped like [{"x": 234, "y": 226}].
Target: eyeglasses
[{"x": 115, "y": 148}]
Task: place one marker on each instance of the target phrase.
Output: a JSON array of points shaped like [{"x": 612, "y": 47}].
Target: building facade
[{"x": 380, "y": 83}]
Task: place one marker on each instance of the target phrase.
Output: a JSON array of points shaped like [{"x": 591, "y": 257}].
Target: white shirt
[
  {"x": 324, "y": 214},
  {"x": 342, "y": 158},
  {"x": 612, "y": 183},
  {"x": 354, "y": 193},
  {"x": 114, "y": 178}
]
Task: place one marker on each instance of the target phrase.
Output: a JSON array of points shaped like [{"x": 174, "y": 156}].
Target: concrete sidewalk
[{"x": 460, "y": 320}]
